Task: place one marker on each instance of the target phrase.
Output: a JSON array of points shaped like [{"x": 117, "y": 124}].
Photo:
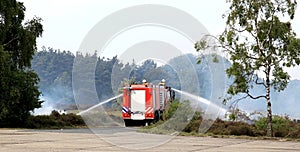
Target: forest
[{"x": 54, "y": 67}]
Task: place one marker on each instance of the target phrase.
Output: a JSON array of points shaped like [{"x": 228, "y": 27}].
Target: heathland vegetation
[{"x": 241, "y": 126}]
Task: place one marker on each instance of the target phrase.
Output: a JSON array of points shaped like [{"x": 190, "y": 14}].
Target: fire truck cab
[{"x": 145, "y": 103}]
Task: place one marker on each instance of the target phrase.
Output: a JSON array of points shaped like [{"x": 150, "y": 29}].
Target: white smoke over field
[
  {"x": 46, "y": 108},
  {"x": 57, "y": 98}
]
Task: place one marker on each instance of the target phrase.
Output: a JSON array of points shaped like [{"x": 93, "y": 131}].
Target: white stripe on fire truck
[
  {"x": 124, "y": 110},
  {"x": 149, "y": 110}
]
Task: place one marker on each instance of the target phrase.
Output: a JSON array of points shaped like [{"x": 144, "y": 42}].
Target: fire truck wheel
[
  {"x": 161, "y": 116},
  {"x": 156, "y": 116},
  {"x": 127, "y": 123}
]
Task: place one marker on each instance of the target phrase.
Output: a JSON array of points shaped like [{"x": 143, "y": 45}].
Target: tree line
[{"x": 54, "y": 68}]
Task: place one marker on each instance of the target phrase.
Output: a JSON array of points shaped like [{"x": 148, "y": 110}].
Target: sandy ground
[{"x": 85, "y": 141}]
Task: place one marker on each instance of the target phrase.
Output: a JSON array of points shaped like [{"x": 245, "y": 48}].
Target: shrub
[
  {"x": 54, "y": 121},
  {"x": 295, "y": 131},
  {"x": 281, "y": 126},
  {"x": 240, "y": 128},
  {"x": 193, "y": 125},
  {"x": 172, "y": 109},
  {"x": 221, "y": 127}
]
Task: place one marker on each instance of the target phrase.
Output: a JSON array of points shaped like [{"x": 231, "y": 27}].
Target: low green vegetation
[
  {"x": 283, "y": 126},
  {"x": 55, "y": 121}
]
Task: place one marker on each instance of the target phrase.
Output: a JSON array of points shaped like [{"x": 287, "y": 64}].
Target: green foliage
[
  {"x": 176, "y": 118},
  {"x": 194, "y": 124},
  {"x": 294, "y": 130},
  {"x": 145, "y": 70},
  {"x": 19, "y": 90},
  {"x": 239, "y": 128},
  {"x": 257, "y": 39},
  {"x": 281, "y": 125},
  {"x": 54, "y": 68},
  {"x": 181, "y": 111},
  {"x": 201, "y": 45},
  {"x": 54, "y": 121},
  {"x": 238, "y": 115},
  {"x": 232, "y": 117},
  {"x": 221, "y": 127},
  {"x": 172, "y": 109}
]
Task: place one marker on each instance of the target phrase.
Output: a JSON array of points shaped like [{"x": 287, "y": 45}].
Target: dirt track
[{"x": 82, "y": 140}]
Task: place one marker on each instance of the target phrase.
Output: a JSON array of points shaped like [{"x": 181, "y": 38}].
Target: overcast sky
[{"x": 67, "y": 22}]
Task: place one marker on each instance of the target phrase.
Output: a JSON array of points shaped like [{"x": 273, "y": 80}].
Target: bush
[
  {"x": 72, "y": 119},
  {"x": 194, "y": 124},
  {"x": 54, "y": 121},
  {"x": 282, "y": 126},
  {"x": 295, "y": 131},
  {"x": 221, "y": 127},
  {"x": 171, "y": 110},
  {"x": 240, "y": 128}
]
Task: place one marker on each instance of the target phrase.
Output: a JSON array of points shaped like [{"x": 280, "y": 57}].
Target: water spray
[
  {"x": 99, "y": 104},
  {"x": 202, "y": 100}
]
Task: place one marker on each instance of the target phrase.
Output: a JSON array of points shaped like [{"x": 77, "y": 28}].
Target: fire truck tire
[
  {"x": 161, "y": 116},
  {"x": 127, "y": 123},
  {"x": 131, "y": 123},
  {"x": 156, "y": 116}
]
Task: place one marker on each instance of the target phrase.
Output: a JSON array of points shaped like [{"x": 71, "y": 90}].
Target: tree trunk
[{"x": 269, "y": 105}]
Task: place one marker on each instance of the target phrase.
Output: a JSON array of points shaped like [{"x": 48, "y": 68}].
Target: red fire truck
[{"x": 145, "y": 103}]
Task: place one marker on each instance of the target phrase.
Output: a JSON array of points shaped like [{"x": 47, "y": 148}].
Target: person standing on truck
[{"x": 145, "y": 82}]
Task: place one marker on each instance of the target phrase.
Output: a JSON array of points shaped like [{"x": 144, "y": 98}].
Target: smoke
[
  {"x": 46, "y": 108},
  {"x": 59, "y": 98}
]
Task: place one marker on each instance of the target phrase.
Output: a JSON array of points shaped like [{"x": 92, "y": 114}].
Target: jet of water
[
  {"x": 99, "y": 104},
  {"x": 205, "y": 101},
  {"x": 202, "y": 100}
]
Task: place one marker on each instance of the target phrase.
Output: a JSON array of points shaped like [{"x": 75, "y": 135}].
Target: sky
[{"x": 66, "y": 23}]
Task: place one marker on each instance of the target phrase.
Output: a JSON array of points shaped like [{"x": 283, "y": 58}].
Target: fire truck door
[{"x": 138, "y": 101}]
